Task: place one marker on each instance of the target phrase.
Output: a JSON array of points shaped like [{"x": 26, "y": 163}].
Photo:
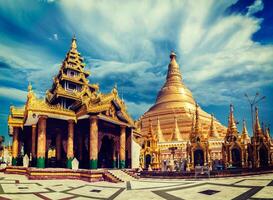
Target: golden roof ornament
[
  {"x": 267, "y": 134},
  {"x": 176, "y": 132},
  {"x": 160, "y": 136},
  {"x": 150, "y": 128},
  {"x": 74, "y": 43},
  {"x": 213, "y": 130},
  {"x": 192, "y": 134},
  {"x": 245, "y": 135},
  {"x": 232, "y": 124},
  {"x": 258, "y": 129},
  {"x": 29, "y": 88},
  {"x": 197, "y": 125}
]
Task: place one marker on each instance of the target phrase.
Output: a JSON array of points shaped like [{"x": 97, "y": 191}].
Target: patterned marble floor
[{"x": 247, "y": 187}]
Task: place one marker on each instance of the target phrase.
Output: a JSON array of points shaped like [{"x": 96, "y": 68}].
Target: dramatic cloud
[
  {"x": 129, "y": 44},
  {"x": 256, "y": 7},
  {"x": 13, "y": 93}
]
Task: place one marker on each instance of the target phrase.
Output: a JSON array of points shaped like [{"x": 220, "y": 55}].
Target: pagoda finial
[
  {"x": 29, "y": 88},
  {"x": 213, "y": 131},
  {"x": 258, "y": 129},
  {"x": 232, "y": 123},
  {"x": 74, "y": 42},
  {"x": 176, "y": 133},
  {"x": 197, "y": 125},
  {"x": 267, "y": 134},
  {"x": 172, "y": 55},
  {"x": 160, "y": 136},
  {"x": 150, "y": 127},
  {"x": 174, "y": 76},
  {"x": 245, "y": 135}
]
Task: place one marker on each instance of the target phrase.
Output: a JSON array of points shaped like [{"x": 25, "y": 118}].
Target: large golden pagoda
[{"x": 175, "y": 110}]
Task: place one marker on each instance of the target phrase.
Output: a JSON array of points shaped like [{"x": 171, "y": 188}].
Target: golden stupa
[{"x": 174, "y": 106}]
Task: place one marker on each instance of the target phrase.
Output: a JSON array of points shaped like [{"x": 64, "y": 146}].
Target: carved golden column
[
  {"x": 15, "y": 146},
  {"x": 58, "y": 146},
  {"x": 70, "y": 144},
  {"x": 33, "y": 144},
  {"x": 41, "y": 148},
  {"x": 122, "y": 146},
  {"x": 93, "y": 142}
]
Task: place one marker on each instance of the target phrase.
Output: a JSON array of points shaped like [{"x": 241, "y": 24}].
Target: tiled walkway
[{"x": 250, "y": 187}]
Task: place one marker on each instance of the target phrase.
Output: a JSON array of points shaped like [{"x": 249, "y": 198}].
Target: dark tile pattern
[
  {"x": 209, "y": 192},
  {"x": 94, "y": 190}
]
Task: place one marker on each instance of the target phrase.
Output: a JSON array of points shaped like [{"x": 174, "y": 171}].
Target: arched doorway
[
  {"x": 263, "y": 154},
  {"x": 198, "y": 157},
  {"x": 148, "y": 159},
  {"x": 236, "y": 157},
  {"x": 105, "y": 159}
]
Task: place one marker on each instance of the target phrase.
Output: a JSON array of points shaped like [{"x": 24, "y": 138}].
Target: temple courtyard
[{"x": 244, "y": 187}]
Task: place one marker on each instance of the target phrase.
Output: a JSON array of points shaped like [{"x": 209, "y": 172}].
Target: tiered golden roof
[
  {"x": 86, "y": 100},
  {"x": 175, "y": 99}
]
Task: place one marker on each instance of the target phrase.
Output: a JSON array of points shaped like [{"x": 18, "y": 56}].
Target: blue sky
[{"x": 224, "y": 48}]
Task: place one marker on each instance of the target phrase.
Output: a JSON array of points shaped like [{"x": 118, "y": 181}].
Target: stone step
[{"x": 121, "y": 175}]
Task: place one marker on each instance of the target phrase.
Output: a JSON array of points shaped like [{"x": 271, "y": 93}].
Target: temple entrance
[
  {"x": 105, "y": 159},
  {"x": 263, "y": 154},
  {"x": 198, "y": 157},
  {"x": 148, "y": 160},
  {"x": 236, "y": 157}
]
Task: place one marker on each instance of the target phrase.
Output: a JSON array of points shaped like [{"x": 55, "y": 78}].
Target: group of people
[{"x": 174, "y": 165}]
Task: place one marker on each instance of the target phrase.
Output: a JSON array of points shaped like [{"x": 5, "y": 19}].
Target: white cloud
[
  {"x": 255, "y": 7},
  {"x": 13, "y": 93},
  {"x": 54, "y": 37}
]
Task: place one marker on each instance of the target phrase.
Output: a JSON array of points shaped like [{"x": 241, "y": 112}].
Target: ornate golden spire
[
  {"x": 245, "y": 135},
  {"x": 213, "y": 131},
  {"x": 232, "y": 124},
  {"x": 267, "y": 134},
  {"x": 151, "y": 131},
  {"x": 258, "y": 129},
  {"x": 74, "y": 43},
  {"x": 176, "y": 132},
  {"x": 197, "y": 125},
  {"x": 174, "y": 94},
  {"x": 174, "y": 76},
  {"x": 160, "y": 136},
  {"x": 29, "y": 88}
]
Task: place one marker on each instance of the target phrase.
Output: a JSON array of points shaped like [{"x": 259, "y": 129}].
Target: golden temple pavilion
[
  {"x": 73, "y": 120},
  {"x": 176, "y": 128}
]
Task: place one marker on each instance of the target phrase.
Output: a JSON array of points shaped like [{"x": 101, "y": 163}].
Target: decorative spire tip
[{"x": 172, "y": 55}]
